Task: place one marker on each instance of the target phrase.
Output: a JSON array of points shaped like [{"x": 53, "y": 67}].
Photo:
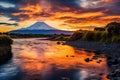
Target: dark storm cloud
[
  {"x": 9, "y": 24},
  {"x": 114, "y": 9},
  {"x": 53, "y": 2},
  {"x": 108, "y": 8},
  {"x": 78, "y": 20},
  {"x": 43, "y": 14},
  {"x": 9, "y": 10},
  {"x": 58, "y": 5},
  {"x": 32, "y": 2},
  {"x": 65, "y": 17},
  {"x": 11, "y": 1},
  {"x": 69, "y": 3}
]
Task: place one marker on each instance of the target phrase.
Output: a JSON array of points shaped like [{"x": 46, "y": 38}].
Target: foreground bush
[
  {"x": 110, "y": 34},
  {"x": 88, "y": 35},
  {"x": 5, "y": 40},
  {"x": 59, "y": 37},
  {"x": 5, "y": 54},
  {"x": 113, "y": 28},
  {"x": 96, "y": 36},
  {"x": 5, "y": 48},
  {"x": 77, "y": 35}
]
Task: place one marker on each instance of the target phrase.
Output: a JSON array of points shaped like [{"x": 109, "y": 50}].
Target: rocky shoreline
[{"x": 111, "y": 50}]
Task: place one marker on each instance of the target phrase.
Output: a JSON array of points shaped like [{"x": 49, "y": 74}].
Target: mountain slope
[
  {"x": 39, "y": 26},
  {"x": 46, "y": 32}
]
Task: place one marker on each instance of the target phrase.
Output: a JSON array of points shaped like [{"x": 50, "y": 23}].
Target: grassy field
[
  {"x": 110, "y": 34},
  {"x": 100, "y": 36}
]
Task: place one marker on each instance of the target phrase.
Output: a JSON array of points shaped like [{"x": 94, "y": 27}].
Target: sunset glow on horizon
[{"x": 68, "y": 15}]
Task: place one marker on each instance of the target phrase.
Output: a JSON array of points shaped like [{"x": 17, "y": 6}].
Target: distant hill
[{"x": 40, "y": 28}]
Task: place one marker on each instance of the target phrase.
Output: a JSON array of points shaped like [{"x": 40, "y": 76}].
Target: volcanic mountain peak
[{"x": 39, "y": 26}]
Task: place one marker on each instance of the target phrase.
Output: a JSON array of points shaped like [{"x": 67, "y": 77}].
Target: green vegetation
[
  {"x": 5, "y": 48},
  {"x": 59, "y": 37},
  {"x": 99, "y": 29},
  {"x": 77, "y": 35},
  {"x": 113, "y": 28},
  {"x": 12, "y": 35},
  {"x": 110, "y": 34},
  {"x": 5, "y": 40}
]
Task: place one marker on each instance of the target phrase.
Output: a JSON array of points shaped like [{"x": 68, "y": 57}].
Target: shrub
[
  {"x": 99, "y": 29},
  {"x": 5, "y": 48},
  {"x": 77, "y": 35},
  {"x": 115, "y": 39},
  {"x": 5, "y": 40},
  {"x": 89, "y": 35},
  {"x": 5, "y": 53},
  {"x": 97, "y": 35},
  {"x": 113, "y": 28},
  {"x": 104, "y": 36},
  {"x": 112, "y": 34}
]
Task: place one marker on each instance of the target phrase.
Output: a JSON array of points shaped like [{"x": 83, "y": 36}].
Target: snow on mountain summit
[{"x": 39, "y": 26}]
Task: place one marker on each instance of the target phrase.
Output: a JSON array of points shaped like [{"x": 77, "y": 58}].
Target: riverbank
[
  {"x": 5, "y": 48},
  {"x": 5, "y": 54},
  {"x": 111, "y": 50}
]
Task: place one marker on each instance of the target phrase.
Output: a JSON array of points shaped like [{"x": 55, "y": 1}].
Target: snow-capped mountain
[{"x": 39, "y": 26}]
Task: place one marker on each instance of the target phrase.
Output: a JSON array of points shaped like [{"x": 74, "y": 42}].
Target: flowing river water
[{"x": 39, "y": 59}]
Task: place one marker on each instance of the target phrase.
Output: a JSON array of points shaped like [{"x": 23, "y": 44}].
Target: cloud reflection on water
[{"x": 51, "y": 61}]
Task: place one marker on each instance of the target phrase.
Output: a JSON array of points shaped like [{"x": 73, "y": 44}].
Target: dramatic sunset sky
[{"x": 60, "y": 14}]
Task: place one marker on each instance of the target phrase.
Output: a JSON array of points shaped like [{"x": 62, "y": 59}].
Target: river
[{"x": 40, "y": 59}]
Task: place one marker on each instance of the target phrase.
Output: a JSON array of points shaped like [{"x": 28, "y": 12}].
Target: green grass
[
  {"x": 88, "y": 36},
  {"x": 101, "y": 36},
  {"x": 59, "y": 37},
  {"x": 109, "y": 34},
  {"x": 77, "y": 35}
]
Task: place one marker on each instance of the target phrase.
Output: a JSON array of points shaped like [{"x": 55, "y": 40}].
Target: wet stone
[
  {"x": 87, "y": 60},
  {"x": 58, "y": 43}
]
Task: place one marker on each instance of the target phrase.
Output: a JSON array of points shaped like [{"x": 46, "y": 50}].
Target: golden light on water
[{"x": 37, "y": 60}]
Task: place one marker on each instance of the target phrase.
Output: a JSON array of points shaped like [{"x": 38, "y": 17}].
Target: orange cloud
[
  {"x": 109, "y": 0},
  {"x": 6, "y": 28},
  {"x": 106, "y": 0},
  {"x": 33, "y": 12},
  {"x": 37, "y": 8},
  {"x": 65, "y": 17}
]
